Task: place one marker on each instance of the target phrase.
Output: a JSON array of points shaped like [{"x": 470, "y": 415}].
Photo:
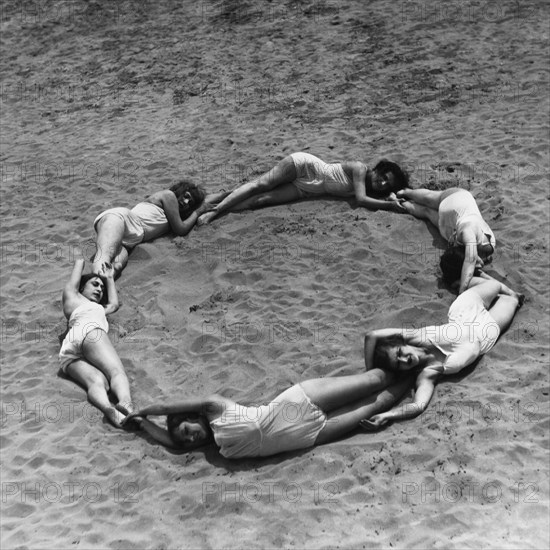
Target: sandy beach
[{"x": 105, "y": 103}]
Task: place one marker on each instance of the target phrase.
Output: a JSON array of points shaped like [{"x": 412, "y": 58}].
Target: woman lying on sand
[
  {"x": 476, "y": 320},
  {"x": 87, "y": 355},
  {"x": 455, "y": 212},
  {"x": 310, "y": 413},
  {"x": 302, "y": 175},
  {"x": 119, "y": 230}
]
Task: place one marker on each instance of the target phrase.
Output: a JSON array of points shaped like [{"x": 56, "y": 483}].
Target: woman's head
[
  {"x": 189, "y": 195},
  {"x": 394, "y": 354},
  {"x": 188, "y": 431},
  {"x": 387, "y": 177},
  {"x": 92, "y": 287}
]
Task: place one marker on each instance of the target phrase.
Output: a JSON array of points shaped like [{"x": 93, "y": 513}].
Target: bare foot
[
  {"x": 205, "y": 219},
  {"x": 407, "y": 206},
  {"x": 125, "y": 408},
  {"x": 402, "y": 194},
  {"x": 97, "y": 267},
  {"x": 115, "y": 417},
  {"x": 215, "y": 198}
]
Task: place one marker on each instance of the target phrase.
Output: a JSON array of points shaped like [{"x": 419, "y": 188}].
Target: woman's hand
[
  {"x": 133, "y": 416},
  {"x": 375, "y": 422},
  {"x": 107, "y": 271},
  {"x": 397, "y": 205},
  {"x": 205, "y": 207},
  {"x": 134, "y": 419}
]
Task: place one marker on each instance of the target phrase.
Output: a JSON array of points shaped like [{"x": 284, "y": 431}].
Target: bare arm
[
  {"x": 108, "y": 273},
  {"x": 71, "y": 296},
  {"x": 425, "y": 386},
  {"x": 156, "y": 432},
  {"x": 359, "y": 176},
  {"x": 171, "y": 209},
  {"x": 211, "y": 407},
  {"x": 470, "y": 259}
]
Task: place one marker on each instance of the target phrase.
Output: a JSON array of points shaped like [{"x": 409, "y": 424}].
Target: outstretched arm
[
  {"x": 70, "y": 292},
  {"x": 470, "y": 260},
  {"x": 108, "y": 273},
  {"x": 425, "y": 386},
  {"x": 73, "y": 283},
  {"x": 156, "y": 432},
  {"x": 211, "y": 407}
]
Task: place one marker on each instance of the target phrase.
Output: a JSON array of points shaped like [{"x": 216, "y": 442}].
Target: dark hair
[
  {"x": 87, "y": 277},
  {"x": 401, "y": 178},
  {"x": 196, "y": 191},
  {"x": 382, "y": 349},
  {"x": 173, "y": 421},
  {"x": 451, "y": 262}
]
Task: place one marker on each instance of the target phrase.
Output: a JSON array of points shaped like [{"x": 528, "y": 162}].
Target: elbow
[
  {"x": 183, "y": 229},
  {"x": 415, "y": 409}
]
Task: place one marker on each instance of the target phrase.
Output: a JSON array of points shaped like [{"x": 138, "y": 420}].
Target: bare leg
[
  {"x": 96, "y": 386},
  {"x": 99, "y": 351},
  {"x": 284, "y": 172},
  {"x": 422, "y": 212},
  {"x": 347, "y": 418},
  {"x": 422, "y": 197},
  {"x": 331, "y": 393},
  {"x": 120, "y": 261},
  {"x": 110, "y": 232},
  {"x": 216, "y": 198},
  {"x": 503, "y": 311},
  {"x": 489, "y": 288},
  {"x": 281, "y": 195}
]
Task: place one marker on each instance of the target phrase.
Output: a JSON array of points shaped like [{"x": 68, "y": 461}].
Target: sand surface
[{"x": 104, "y": 103}]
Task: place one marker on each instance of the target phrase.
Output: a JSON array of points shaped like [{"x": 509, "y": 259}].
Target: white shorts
[
  {"x": 315, "y": 177},
  {"x": 133, "y": 231},
  {"x": 469, "y": 311}
]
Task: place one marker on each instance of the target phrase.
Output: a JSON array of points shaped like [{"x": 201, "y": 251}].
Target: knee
[
  {"x": 118, "y": 375},
  {"x": 259, "y": 201},
  {"x": 99, "y": 383},
  {"x": 511, "y": 301},
  {"x": 493, "y": 287}
]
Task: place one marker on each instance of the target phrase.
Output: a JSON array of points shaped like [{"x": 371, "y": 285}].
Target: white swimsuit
[
  {"x": 291, "y": 421},
  {"x": 460, "y": 209},
  {"x": 469, "y": 333},
  {"x": 316, "y": 177},
  {"x": 145, "y": 222},
  {"x": 83, "y": 320}
]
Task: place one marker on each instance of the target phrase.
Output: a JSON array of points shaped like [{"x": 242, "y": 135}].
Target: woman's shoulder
[
  {"x": 158, "y": 197},
  {"x": 215, "y": 405},
  {"x": 353, "y": 165},
  {"x": 72, "y": 303}
]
